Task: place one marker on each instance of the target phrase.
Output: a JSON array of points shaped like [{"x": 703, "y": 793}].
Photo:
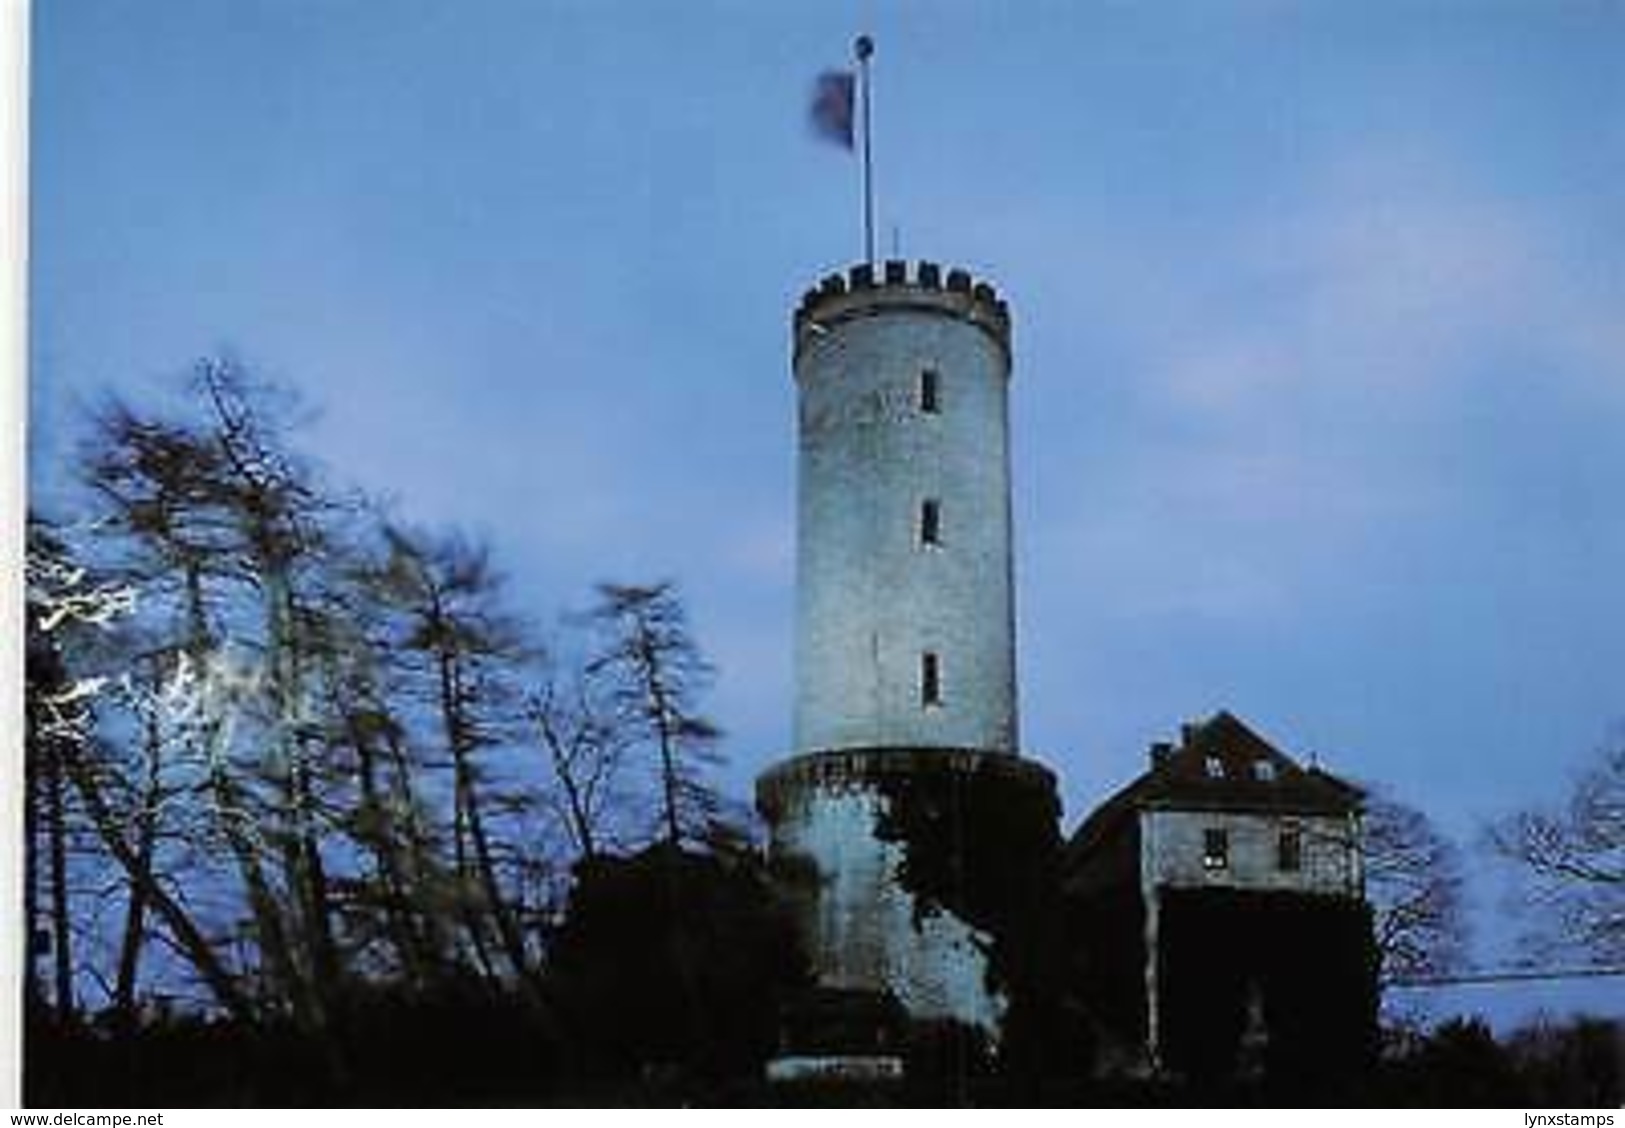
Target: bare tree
[
  {"x": 1415, "y": 885},
  {"x": 224, "y": 532},
  {"x": 143, "y": 694},
  {"x": 62, "y": 601},
  {"x": 1572, "y": 859},
  {"x": 185, "y": 931},
  {"x": 657, "y": 674},
  {"x": 163, "y": 525},
  {"x": 57, "y": 716},
  {"x": 277, "y": 512},
  {"x": 306, "y": 763},
  {"x": 367, "y": 739},
  {"x": 573, "y": 713},
  {"x": 449, "y": 598}
]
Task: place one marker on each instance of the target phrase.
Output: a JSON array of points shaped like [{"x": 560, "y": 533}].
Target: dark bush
[{"x": 675, "y": 963}]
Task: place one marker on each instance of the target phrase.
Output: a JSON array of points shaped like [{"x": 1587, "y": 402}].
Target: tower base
[
  {"x": 917, "y": 872},
  {"x": 828, "y": 1034}
]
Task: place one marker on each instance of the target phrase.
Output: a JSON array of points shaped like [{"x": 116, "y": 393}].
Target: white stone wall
[
  {"x": 1171, "y": 848},
  {"x": 864, "y": 931},
  {"x": 870, "y": 598}
]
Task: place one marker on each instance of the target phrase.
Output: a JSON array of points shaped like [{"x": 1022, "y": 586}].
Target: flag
[{"x": 831, "y": 112}]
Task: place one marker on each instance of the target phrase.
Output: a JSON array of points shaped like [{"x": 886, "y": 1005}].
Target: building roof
[{"x": 1221, "y": 765}]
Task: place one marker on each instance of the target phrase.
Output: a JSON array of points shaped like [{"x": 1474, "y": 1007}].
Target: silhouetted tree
[
  {"x": 150, "y": 790},
  {"x": 283, "y": 749},
  {"x": 395, "y": 905},
  {"x": 1461, "y": 1065},
  {"x": 1573, "y": 861},
  {"x": 159, "y": 523},
  {"x": 584, "y": 741},
  {"x": 1575, "y": 1064},
  {"x": 229, "y": 537},
  {"x": 657, "y": 673},
  {"x": 278, "y": 513},
  {"x": 57, "y": 715},
  {"x": 61, "y": 722},
  {"x": 471, "y": 651},
  {"x": 1414, "y": 882}
]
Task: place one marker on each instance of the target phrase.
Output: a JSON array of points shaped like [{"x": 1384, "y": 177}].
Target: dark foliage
[
  {"x": 1459, "y": 1065},
  {"x": 1581, "y": 1064},
  {"x": 983, "y": 843},
  {"x": 457, "y": 1045},
  {"x": 945, "y": 1060},
  {"x": 462, "y": 1046},
  {"x": 1578, "y": 1064},
  {"x": 674, "y": 963},
  {"x": 1234, "y": 974},
  {"x": 1106, "y": 971}
]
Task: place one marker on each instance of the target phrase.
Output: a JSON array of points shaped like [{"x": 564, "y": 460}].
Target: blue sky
[{"x": 1320, "y": 367}]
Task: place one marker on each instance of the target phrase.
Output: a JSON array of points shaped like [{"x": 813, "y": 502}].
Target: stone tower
[
  {"x": 903, "y": 549},
  {"x": 905, "y": 772}
]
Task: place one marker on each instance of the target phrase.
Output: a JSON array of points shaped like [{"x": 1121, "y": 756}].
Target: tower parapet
[{"x": 923, "y": 287}]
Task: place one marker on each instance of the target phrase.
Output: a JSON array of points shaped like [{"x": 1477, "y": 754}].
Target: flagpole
[{"x": 864, "y": 48}]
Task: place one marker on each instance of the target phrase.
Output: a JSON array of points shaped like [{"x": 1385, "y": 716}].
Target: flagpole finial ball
[{"x": 864, "y": 47}]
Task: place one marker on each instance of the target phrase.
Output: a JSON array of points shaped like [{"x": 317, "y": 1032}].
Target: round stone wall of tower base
[{"x": 907, "y": 866}]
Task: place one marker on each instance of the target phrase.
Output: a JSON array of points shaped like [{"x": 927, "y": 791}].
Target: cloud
[
  {"x": 1303, "y": 381},
  {"x": 1407, "y": 275}
]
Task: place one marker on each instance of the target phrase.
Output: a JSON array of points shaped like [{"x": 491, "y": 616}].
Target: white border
[{"x": 14, "y": 16}]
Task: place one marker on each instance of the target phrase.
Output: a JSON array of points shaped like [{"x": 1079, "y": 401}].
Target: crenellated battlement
[{"x": 868, "y": 288}]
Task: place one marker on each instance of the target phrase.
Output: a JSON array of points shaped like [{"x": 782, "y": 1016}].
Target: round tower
[
  {"x": 905, "y": 617},
  {"x": 905, "y": 812}
]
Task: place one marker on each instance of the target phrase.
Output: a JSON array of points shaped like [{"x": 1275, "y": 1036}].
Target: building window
[
  {"x": 1289, "y": 850},
  {"x": 930, "y": 679},
  {"x": 931, "y": 522},
  {"x": 1263, "y": 771},
  {"x": 1215, "y": 849},
  {"x": 930, "y": 392},
  {"x": 1215, "y": 768}
]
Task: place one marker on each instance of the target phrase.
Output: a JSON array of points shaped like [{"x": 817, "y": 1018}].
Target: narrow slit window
[
  {"x": 930, "y": 679},
  {"x": 930, "y": 391},
  {"x": 931, "y": 522}
]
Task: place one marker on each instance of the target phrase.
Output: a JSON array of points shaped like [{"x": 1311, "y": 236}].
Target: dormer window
[
  {"x": 1215, "y": 767},
  {"x": 1264, "y": 771}
]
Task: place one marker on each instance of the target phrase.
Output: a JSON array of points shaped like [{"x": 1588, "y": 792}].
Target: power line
[{"x": 1508, "y": 976}]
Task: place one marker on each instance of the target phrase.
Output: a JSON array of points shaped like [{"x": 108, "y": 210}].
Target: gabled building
[{"x": 1218, "y": 911}]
